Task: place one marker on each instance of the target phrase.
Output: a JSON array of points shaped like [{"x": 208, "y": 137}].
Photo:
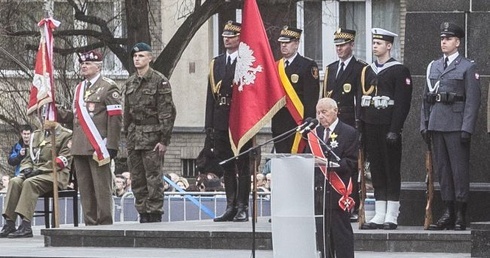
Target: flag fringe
[{"x": 256, "y": 128}]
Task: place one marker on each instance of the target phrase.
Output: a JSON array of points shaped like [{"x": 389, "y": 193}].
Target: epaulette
[
  {"x": 362, "y": 61},
  {"x": 309, "y": 59},
  {"x": 108, "y": 80}
]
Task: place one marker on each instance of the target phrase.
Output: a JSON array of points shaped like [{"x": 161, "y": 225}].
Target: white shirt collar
[
  {"x": 451, "y": 57},
  {"x": 333, "y": 125},
  {"x": 346, "y": 62},
  {"x": 232, "y": 56},
  {"x": 291, "y": 59}
]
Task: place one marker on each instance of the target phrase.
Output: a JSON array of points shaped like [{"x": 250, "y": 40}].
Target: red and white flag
[
  {"x": 43, "y": 88},
  {"x": 257, "y": 91}
]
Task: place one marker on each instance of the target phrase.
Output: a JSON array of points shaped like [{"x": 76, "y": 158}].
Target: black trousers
[
  {"x": 334, "y": 235},
  {"x": 385, "y": 160}
]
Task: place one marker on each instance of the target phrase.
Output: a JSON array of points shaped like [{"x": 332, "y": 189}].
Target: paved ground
[{"x": 34, "y": 247}]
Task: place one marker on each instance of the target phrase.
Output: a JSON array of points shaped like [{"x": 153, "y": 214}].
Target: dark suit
[
  {"x": 336, "y": 222},
  {"x": 344, "y": 89},
  {"x": 446, "y": 121},
  {"x": 394, "y": 81},
  {"x": 216, "y": 123},
  {"x": 303, "y": 74}
]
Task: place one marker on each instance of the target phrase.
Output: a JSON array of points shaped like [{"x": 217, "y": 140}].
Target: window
[{"x": 189, "y": 168}]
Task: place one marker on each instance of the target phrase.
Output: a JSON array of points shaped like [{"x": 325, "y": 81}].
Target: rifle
[
  {"x": 429, "y": 180},
  {"x": 362, "y": 190}
]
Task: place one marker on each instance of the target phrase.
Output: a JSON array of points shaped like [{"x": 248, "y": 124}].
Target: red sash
[
  {"x": 101, "y": 155},
  {"x": 346, "y": 202}
]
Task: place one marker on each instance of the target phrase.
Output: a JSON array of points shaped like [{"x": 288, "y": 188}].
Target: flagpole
[{"x": 51, "y": 125}]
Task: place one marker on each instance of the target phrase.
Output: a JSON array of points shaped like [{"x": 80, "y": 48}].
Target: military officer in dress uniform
[
  {"x": 448, "y": 116},
  {"x": 149, "y": 116},
  {"x": 341, "y": 83},
  {"x": 96, "y": 120},
  {"x": 218, "y": 105},
  {"x": 385, "y": 102},
  {"x": 299, "y": 77},
  {"x": 36, "y": 179}
]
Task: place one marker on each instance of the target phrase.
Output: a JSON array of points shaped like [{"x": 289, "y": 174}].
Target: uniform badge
[
  {"x": 477, "y": 76},
  {"x": 314, "y": 72},
  {"x": 333, "y": 141},
  {"x": 91, "y": 107},
  {"x": 115, "y": 95},
  {"x": 87, "y": 94},
  {"x": 329, "y": 93},
  {"x": 347, "y": 87},
  {"x": 408, "y": 81},
  {"x": 294, "y": 78}
]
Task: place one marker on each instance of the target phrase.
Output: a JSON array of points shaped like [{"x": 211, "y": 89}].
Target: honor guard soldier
[
  {"x": 218, "y": 105},
  {"x": 36, "y": 179},
  {"x": 448, "y": 117},
  {"x": 299, "y": 77},
  {"x": 385, "y": 102},
  {"x": 149, "y": 116},
  {"x": 341, "y": 83},
  {"x": 96, "y": 121}
]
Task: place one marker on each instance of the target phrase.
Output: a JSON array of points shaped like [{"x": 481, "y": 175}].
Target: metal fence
[{"x": 177, "y": 207}]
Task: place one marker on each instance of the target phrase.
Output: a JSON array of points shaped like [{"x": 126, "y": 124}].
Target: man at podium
[{"x": 337, "y": 142}]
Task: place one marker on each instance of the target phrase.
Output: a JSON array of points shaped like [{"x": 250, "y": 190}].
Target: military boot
[
  {"x": 242, "y": 199},
  {"x": 8, "y": 228},
  {"x": 24, "y": 230},
  {"x": 460, "y": 216},
  {"x": 230, "y": 190},
  {"x": 144, "y": 217},
  {"x": 447, "y": 220}
]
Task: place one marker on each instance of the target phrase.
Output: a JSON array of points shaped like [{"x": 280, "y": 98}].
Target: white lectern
[{"x": 292, "y": 206}]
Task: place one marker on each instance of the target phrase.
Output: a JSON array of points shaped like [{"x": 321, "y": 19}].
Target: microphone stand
[
  {"x": 254, "y": 153},
  {"x": 328, "y": 153}
]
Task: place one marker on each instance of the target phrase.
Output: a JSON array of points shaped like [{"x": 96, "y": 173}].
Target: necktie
[
  {"x": 229, "y": 61},
  {"x": 326, "y": 135},
  {"x": 286, "y": 64},
  {"x": 341, "y": 70},
  {"x": 446, "y": 62},
  {"x": 87, "y": 86}
]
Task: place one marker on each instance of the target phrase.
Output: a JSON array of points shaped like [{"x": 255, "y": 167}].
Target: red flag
[
  {"x": 42, "y": 88},
  {"x": 257, "y": 91}
]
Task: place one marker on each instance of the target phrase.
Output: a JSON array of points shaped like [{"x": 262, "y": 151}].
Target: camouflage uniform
[
  {"x": 149, "y": 115},
  {"x": 23, "y": 193}
]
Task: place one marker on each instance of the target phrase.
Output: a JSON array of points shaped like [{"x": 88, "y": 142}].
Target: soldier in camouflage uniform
[
  {"x": 149, "y": 115},
  {"x": 35, "y": 179}
]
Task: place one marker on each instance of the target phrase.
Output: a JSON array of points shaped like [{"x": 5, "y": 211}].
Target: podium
[{"x": 292, "y": 205}]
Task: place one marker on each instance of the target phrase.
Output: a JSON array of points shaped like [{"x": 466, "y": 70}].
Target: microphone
[
  {"x": 310, "y": 126},
  {"x": 304, "y": 124}
]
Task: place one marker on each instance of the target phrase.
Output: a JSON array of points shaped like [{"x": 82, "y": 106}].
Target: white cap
[{"x": 383, "y": 34}]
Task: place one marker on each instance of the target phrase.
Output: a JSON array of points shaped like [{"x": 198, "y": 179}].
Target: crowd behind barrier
[{"x": 176, "y": 207}]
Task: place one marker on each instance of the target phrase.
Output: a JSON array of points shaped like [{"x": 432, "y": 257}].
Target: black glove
[
  {"x": 112, "y": 153},
  {"x": 392, "y": 138},
  {"x": 31, "y": 173},
  {"x": 426, "y": 136},
  {"x": 25, "y": 172},
  {"x": 465, "y": 137}
]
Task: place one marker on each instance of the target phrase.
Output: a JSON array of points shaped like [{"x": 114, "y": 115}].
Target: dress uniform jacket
[
  {"x": 149, "y": 111},
  {"x": 302, "y": 72},
  {"x": 343, "y": 142},
  {"x": 39, "y": 158},
  {"x": 461, "y": 79},
  {"x": 218, "y": 99},
  {"x": 344, "y": 90},
  {"x": 104, "y": 92},
  {"x": 394, "y": 82}
]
